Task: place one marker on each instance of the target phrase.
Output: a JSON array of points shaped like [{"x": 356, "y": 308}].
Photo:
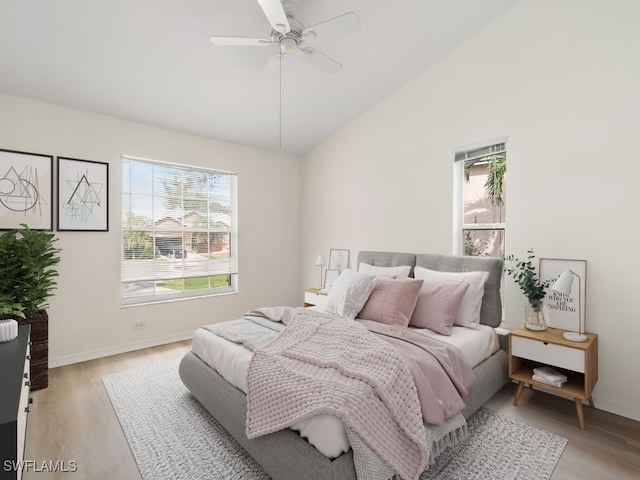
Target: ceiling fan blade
[
  {"x": 275, "y": 14},
  {"x": 241, "y": 41},
  {"x": 320, "y": 60},
  {"x": 345, "y": 23}
]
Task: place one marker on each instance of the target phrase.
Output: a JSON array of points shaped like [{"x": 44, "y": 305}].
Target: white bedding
[{"x": 326, "y": 432}]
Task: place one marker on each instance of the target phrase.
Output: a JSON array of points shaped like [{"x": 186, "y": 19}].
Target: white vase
[
  {"x": 534, "y": 317},
  {"x": 8, "y": 330}
]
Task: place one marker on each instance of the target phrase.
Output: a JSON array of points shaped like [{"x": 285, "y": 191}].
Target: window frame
[
  {"x": 462, "y": 155},
  {"x": 231, "y": 231}
]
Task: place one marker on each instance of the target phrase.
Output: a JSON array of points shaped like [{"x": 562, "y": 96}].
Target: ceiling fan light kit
[{"x": 288, "y": 45}]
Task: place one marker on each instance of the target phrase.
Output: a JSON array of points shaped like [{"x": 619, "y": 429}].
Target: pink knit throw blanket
[{"x": 334, "y": 366}]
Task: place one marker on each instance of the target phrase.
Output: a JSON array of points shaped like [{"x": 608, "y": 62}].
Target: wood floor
[{"x": 72, "y": 420}]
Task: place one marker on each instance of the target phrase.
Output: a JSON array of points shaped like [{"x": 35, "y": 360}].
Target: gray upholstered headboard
[{"x": 491, "y": 310}]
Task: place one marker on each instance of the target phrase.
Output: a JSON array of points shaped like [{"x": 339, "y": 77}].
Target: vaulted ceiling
[{"x": 151, "y": 61}]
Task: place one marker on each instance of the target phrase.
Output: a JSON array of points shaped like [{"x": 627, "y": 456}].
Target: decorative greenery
[
  {"x": 493, "y": 186},
  {"x": 524, "y": 273},
  {"x": 27, "y": 273},
  {"x": 9, "y": 309}
]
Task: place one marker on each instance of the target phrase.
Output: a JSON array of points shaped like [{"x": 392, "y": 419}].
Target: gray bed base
[{"x": 285, "y": 455}]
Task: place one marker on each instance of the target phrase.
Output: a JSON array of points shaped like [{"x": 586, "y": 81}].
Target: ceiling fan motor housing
[{"x": 288, "y": 41}]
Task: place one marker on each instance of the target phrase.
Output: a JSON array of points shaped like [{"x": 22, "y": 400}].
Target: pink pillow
[
  {"x": 469, "y": 312},
  {"x": 438, "y": 304},
  {"x": 392, "y": 301}
]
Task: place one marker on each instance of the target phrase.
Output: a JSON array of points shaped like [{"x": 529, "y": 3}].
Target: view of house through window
[
  {"x": 178, "y": 231},
  {"x": 481, "y": 211}
]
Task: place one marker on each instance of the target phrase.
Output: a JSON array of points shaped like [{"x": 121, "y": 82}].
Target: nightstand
[
  {"x": 314, "y": 296},
  {"x": 578, "y": 361}
]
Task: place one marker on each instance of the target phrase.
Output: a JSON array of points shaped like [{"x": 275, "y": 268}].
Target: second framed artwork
[
  {"x": 566, "y": 312},
  {"x": 338, "y": 259},
  {"x": 83, "y": 195}
]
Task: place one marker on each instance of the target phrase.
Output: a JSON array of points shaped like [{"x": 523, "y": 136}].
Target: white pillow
[
  {"x": 469, "y": 312},
  {"x": 397, "y": 272},
  {"x": 349, "y": 293}
]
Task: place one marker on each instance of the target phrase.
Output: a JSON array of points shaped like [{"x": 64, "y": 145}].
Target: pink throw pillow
[
  {"x": 392, "y": 301},
  {"x": 438, "y": 304}
]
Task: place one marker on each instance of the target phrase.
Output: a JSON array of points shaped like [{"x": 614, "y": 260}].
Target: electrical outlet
[{"x": 138, "y": 325}]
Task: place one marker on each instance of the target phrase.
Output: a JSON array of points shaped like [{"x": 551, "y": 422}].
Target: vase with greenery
[
  {"x": 28, "y": 260},
  {"x": 525, "y": 275}
]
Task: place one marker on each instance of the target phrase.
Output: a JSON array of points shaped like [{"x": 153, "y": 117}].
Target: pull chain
[{"x": 280, "y": 58}]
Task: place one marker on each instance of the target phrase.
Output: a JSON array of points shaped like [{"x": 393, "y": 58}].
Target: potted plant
[
  {"x": 27, "y": 280},
  {"x": 525, "y": 275}
]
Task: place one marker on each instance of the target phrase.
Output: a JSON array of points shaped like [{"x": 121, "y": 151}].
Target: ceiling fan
[{"x": 292, "y": 37}]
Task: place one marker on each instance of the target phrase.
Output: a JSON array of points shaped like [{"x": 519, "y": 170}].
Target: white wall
[
  {"x": 86, "y": 320},
  {"x": 560, "y": 80}
]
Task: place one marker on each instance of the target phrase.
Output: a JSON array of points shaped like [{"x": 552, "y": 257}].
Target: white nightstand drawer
[
  {"x": 549, "y": 353},
  {"x": 311, "y": 298}
]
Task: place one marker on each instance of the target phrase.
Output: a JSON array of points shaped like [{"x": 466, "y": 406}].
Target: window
[
  {"x": 481, "y": 200},
  {"x": 178, "y": 231}
]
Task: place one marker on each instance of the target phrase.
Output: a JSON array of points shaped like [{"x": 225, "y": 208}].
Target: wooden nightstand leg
[
  {"x": 580, "y": 413},
  {"x": 518, "y": 393},
  {"x": 593, "y": 405}
]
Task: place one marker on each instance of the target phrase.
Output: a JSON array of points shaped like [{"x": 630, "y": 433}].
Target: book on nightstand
[{"x": 549, "y": 375}]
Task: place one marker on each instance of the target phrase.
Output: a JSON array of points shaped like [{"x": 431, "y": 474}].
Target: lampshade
[
  {"x": 320, "y": 261},
  {"x": 564, "y": 282},
  {"x": 563, "y": 285}
]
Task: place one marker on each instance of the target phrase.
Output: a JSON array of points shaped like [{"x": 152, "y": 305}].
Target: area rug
[{"x": 173, "y": 437}]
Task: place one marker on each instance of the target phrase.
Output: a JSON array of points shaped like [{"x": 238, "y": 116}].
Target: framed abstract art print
[
  {"x": 83, "y": 195},
  {"x": 26, "y": 186}
]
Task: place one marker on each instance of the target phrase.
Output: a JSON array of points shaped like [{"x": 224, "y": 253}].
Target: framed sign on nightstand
[
  {"x": 330, "y": 277},
  {"x": 566, "y": 312}
]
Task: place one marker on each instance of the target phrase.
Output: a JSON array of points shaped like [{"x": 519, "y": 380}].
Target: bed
[{"x": 285, "y": 454}]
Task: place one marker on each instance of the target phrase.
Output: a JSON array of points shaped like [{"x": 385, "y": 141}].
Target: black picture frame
[
  {"x": 26, "y": 190},
  {"x": 83, "y": 195}
]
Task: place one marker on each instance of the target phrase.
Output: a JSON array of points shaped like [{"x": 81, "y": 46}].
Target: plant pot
[
  {"x": 8, "y": 330},
  {"x": 534, "y": 316},
  {"x": 39, "y": 348}
]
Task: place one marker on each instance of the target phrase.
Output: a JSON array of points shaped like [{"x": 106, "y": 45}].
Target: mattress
[{"x": 326, "y": 432}]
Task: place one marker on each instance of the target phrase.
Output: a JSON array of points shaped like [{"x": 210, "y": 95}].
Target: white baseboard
[
  {"x": 62, "y": 360},
  {"x": 613, "y": 406}
]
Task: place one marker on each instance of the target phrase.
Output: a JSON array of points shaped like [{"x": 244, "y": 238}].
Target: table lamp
[
  {"x": 563, "y": 285},
  {"x": 320, "y": 262}
]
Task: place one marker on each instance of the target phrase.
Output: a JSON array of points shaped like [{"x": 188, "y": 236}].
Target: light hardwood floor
[{"x": 73, "y": 420}]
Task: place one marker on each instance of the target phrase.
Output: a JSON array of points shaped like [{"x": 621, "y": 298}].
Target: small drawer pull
[{"x": 30, "y": 400}]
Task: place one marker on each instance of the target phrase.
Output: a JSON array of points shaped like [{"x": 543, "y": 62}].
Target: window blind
[
  {"x": 481, "y": 152},
  {"x": 178, "y": 230}
]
